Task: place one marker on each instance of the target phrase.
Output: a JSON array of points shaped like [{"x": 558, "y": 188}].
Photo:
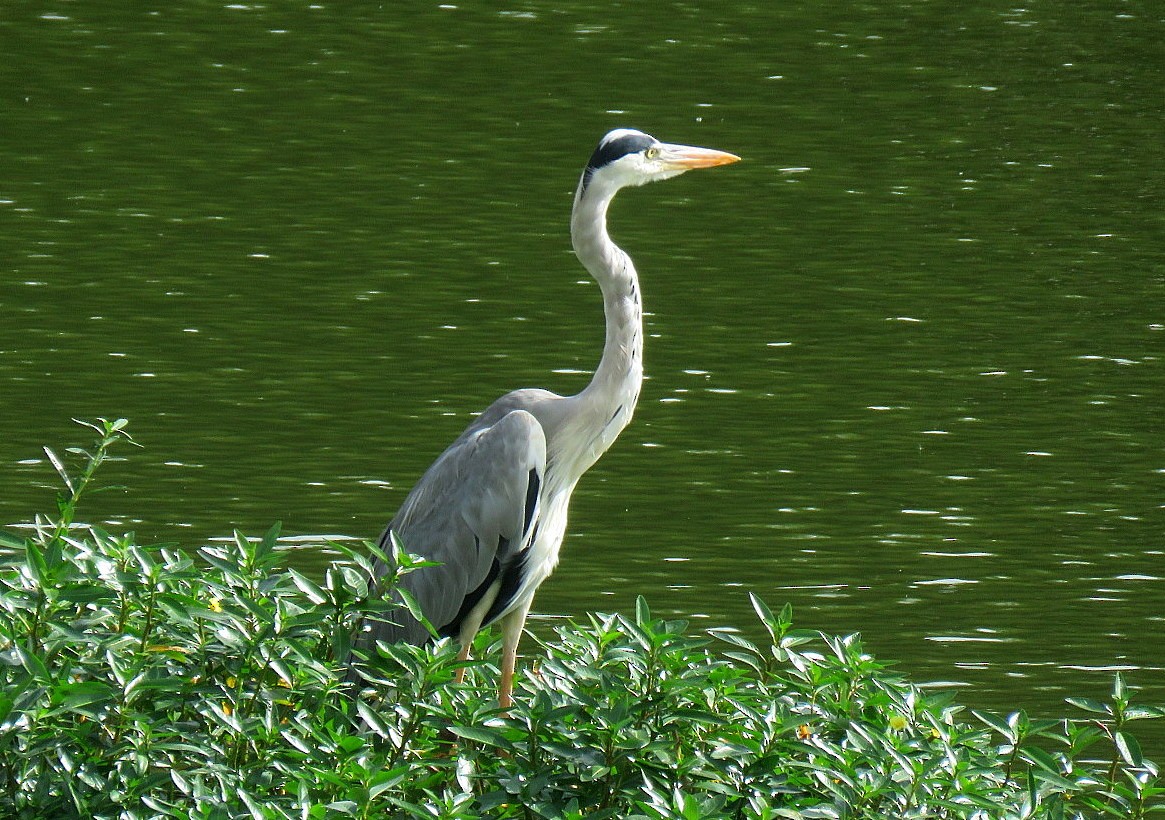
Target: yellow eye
[{"x": 652, "y": 152}]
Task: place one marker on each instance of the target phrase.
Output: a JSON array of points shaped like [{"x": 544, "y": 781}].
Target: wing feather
[{"x": 473, "y": 511}]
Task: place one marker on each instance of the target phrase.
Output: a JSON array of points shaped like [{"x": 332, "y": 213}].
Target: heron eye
[{"x": 652, "y": 152}]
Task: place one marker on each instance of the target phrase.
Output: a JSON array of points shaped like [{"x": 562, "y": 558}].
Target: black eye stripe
[
  {"x": 608, "y": 152},
  {"x": 611, "y": 150}
]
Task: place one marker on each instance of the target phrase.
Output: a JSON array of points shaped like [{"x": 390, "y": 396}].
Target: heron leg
[
  {"x": 511, "y": 626},
  {"x": 462, "y": 656},
  {"x": 472, "y": 624}
]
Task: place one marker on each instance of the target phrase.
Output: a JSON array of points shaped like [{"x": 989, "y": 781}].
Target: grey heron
[{"x": 491, "y": 511}]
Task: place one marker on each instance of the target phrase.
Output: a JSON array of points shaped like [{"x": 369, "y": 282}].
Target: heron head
[{"x": 628, "y": 157}]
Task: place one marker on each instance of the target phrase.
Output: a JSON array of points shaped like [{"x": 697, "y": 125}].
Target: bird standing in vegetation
[{"x": 491, "y": 511}]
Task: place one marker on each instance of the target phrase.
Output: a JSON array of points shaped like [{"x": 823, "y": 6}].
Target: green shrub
[{"x": 149, "y": 683}]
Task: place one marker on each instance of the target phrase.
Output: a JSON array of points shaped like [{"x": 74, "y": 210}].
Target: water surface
[{"x": 904, "y": 361}]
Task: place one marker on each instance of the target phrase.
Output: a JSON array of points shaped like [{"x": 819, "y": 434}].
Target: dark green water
[{"x": 905, "y": 360}]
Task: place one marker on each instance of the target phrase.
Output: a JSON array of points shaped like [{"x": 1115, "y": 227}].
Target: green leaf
[
  {"x": 731, "y": 637},
  {"x": 372, "y": 719},
  {"x": 59, "y": 466},
  {"x": 348, "y": 807},
  {"x": 642, "y": 611},
  {"x": 383, "y": 781},
  {"x": 785, "y": 620},
  {"x": 1120, "y": 691},
  {"x": 33, "y": 665},
  {"x": 10, "y": 540},
  {"x": 1041, "y": 759},
  {"x": 762, "y": 610},
  {"x": 481, "y": 734},
  {"x": 75, "y": 696},
  {"x": 252, "y": 805},
  {"x": 222, "y": 713},
  {"x": 282, "y": 670},
  {"x": 997, "y": 723},
  {"x": 308, "y": 587},
  {"x": 414, "y": 609},
  {"x": 34, "y": 560},
  {"x": 1144, "y": 712},
  {"x": 1057, "y": 781},
  {"x": 1089, "y": 705},
  {"x": 84, "y": 593},
  {"x": 145, "y": 561},
  {"x": 99, "y": 429},
  {"x": 1129, "y": 748},
  {"x": 266, "y": 545}
]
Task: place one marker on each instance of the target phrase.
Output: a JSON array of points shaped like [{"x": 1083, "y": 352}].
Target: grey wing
[{"x": 473, "y": 511}]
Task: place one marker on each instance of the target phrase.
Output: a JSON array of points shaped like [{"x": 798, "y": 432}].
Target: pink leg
[
  {"x": 511, "y": 626},
  {"x": 462, "y": 656},
  {"x": 470, "y": 626}
]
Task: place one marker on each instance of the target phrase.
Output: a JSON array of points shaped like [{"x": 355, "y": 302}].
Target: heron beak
[{"x": 686, "y": 157}]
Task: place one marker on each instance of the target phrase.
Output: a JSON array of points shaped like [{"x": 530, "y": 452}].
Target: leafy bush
[{"x": 148, "y": 683}]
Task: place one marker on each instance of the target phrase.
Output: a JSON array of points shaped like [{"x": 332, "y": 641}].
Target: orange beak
[{"x": 686, "y": 157}]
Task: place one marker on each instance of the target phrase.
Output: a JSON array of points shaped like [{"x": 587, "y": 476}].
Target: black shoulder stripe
[{"x": 532, "y": 490}]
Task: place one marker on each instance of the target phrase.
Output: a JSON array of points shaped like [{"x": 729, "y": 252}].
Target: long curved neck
[{"x": 606, "y": 404}]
